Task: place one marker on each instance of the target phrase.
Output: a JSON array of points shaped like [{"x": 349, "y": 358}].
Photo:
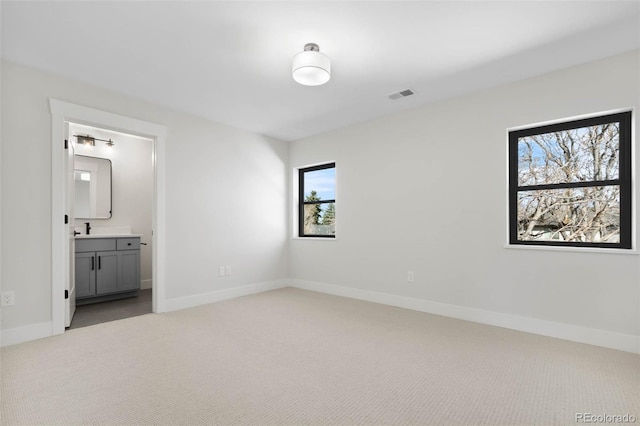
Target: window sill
[
  {"x": 573, "y": 249},
  {"x": 314, "y": 238}
]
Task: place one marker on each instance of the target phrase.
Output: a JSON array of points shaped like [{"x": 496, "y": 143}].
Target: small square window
[{"x": 317, "y": 201}]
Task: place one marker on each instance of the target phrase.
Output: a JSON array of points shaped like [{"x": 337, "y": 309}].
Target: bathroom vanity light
[
  {"x": 87, "y": 140},
  {"x": 90, "y": 141},
  {"x": 310, "y": 67}
]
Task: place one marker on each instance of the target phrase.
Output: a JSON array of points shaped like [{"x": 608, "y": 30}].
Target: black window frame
[
  {"x": 624, "y": 179},
  {"x": 302, "y": 202}
]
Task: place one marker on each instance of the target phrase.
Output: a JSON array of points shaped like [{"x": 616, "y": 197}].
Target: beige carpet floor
[{"x": 294, "y": 357}]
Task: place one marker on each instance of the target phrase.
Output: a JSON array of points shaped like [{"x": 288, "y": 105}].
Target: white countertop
[{"x": 86, "y": 237}]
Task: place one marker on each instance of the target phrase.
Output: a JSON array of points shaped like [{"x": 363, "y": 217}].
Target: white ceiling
[{"x": 231, "y": 61}]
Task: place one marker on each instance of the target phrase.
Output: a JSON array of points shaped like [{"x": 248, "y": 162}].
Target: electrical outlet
[
  {"x": 227, "y": 270},
  {"x": 410, "y": 277},
  {"x": 221, "y": 271},
  {"x": 8, "y": 298}
]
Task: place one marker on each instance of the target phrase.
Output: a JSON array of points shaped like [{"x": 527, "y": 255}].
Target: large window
[
  {"x": 570, "y": 183},
  {"x": 317, "y": 195}
]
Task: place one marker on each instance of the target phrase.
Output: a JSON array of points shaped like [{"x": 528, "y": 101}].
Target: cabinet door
[
  {"x": 129, "y": 264},
  {"x": 85, "y": 274},
  {"x": 107, "y": 272}
]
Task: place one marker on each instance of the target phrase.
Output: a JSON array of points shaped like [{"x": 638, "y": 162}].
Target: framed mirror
[{"x": 92, "y": 178}]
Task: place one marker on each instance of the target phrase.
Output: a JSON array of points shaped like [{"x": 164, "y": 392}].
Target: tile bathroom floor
[{"x": 97, "y": 313}]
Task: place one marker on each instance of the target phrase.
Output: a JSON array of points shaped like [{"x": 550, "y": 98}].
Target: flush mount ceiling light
[{"x": 311, "y": 68}]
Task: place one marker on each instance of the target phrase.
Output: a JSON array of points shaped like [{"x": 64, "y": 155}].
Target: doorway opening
[
  {"x": 64, "y": 117},
  {"x": 113, "y": 197}
]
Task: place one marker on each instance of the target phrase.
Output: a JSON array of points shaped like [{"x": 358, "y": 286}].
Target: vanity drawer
[
  {"x": 128, "y": 244},
  {"x": 98, "y": 244}
]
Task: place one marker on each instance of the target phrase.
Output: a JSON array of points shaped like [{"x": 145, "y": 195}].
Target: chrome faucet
[{"x": 88, "y": 226}]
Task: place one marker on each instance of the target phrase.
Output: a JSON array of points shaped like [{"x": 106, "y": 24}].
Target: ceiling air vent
[{"x": 401, "y": 94}]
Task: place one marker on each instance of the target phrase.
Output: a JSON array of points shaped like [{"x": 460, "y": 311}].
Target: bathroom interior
[{"x": 113, "y": 196}]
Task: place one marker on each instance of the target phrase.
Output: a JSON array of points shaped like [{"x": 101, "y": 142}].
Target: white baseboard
[
  {"x": 592, "y": 336},
  {"x": 608, "y": 339},
  {"x": 13, "y": 336},
  {"x": 146, "y": 284},
  {"x": 224, "y": 294}
]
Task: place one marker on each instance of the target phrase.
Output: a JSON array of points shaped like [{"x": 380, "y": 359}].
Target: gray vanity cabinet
[
  {"x": 107, "y": 272},
  {"x": 107, "y": 269},
  {"x": 85, "y": 275},
  {"x": 129, "y": 262}
]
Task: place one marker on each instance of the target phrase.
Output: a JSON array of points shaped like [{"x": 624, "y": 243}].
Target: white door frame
[{"x": 62, "y": 112}]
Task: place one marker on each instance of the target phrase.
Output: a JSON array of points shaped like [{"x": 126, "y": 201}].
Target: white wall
[
  {"x": 218, "y": 180},
  {"x": 132, "y": 186},
  {"x": 425, "y": 191}
]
